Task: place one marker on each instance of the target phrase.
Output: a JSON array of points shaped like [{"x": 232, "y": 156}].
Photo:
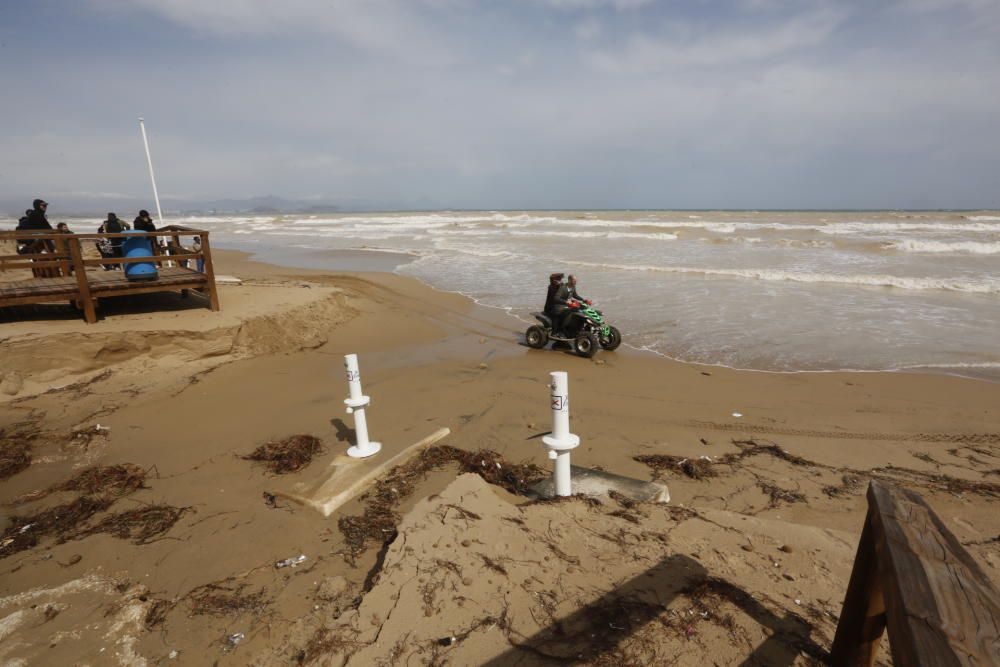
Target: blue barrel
[{"x": 139, "y": 246}]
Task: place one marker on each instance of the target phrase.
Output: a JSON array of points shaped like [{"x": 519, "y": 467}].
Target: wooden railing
[
  {"x": 60, "y": 254},
  {"x": 913, "y": 578}
]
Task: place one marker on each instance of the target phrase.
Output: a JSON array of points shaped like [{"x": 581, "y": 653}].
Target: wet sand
[{"x": 186, "y": 393}]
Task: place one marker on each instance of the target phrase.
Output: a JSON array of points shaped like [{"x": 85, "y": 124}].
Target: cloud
[
  {"x": 578, "y": 5},
  {"x": 391, "y": 27},
  {"x": 679, "y": 45}
]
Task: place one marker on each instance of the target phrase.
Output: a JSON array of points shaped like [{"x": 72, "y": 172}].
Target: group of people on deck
[{"x": 35, "y": 219}]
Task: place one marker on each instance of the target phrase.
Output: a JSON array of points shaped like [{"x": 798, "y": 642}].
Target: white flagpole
[{"x": 149, "y": 160}]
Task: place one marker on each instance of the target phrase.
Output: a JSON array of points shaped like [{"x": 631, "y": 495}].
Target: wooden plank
[
  {"x": 941, "y": 608},
  {"x": 35, "y": 298},
  {"x": 143, "y": 290},
  {"x": 213, "y": 294},
  {"x": 136, "y": 260},
  {"x": 83, "y": 287},
  {"x": 862, "y": 617},
  {"x": 93, "y": 236}
]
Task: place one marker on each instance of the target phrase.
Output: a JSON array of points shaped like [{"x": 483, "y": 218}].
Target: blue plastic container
[{"x": 139, "y": 247}]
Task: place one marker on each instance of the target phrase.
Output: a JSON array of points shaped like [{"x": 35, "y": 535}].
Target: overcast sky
[{"x": 505, "y": 103}]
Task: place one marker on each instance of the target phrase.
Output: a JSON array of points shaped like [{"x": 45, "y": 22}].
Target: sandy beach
[{"x": 169, "y": 552}]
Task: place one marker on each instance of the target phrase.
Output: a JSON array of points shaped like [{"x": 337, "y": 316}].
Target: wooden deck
[{"x": 63, "y": 274}]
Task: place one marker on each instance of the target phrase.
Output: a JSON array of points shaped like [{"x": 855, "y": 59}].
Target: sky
[{"x": 503, "y": 104}]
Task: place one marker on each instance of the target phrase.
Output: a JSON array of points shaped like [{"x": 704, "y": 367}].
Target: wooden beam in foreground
[{"x": 912, "y": 577}]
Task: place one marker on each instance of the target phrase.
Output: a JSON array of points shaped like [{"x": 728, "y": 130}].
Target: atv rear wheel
[
  {"x": 613, "y": 340},
  {"x": 586, "y": 345},
  {"x": 536, "y": 337}
]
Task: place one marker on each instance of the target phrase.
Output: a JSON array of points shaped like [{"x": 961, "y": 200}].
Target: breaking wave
[
  {"x": 971, "y": 247},
  {"x": 899, "y": 282}
]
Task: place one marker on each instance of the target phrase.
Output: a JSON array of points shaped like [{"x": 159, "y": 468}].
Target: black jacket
[
  {"x": 550, "y": 298},
  {"x": 141, "y": 225},
  {"x": 110, "y": 226},
  {"x": 37, "y": 221}
]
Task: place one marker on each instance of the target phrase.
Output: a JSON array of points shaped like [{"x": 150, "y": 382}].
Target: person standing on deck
[
  {"x": 36, "y": 218},
  {"x": 143, "y": 223},
  {"x": 111, "y": 247}
]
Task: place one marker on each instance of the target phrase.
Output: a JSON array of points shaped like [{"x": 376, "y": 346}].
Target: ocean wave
[
  {"x": 970, "y": 247},
  {"x": 777, "y": 275},
  {"x": 662, "y": 236},
  {"x": 985, "y": 218},
  {"x": 892, "y": 227}
]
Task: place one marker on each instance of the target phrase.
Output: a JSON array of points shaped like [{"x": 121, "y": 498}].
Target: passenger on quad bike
[{"x": 552, "y": 308}]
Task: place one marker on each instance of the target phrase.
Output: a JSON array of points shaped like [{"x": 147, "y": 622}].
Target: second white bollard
[
  {"x": 356, "y": 403},
  {"x": 560, "y": 442}
]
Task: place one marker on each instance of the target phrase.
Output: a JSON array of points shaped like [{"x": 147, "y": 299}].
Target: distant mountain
[{"x": 76, "y": 205}]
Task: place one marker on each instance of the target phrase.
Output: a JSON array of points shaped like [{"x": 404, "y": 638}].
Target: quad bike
[{"x": 585, "y": 329}]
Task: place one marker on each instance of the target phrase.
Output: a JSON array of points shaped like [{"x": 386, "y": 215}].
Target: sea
[{"x": 761, "y": 290}]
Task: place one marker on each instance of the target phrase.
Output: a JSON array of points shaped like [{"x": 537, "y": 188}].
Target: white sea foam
[
  {"x": 895, "y": 227},
  {"x": 983, "y": 217},
  {"x": 776, "y": 275},
  {"x": 639, "y": 235},
  {"x": 971, "y": 247}
]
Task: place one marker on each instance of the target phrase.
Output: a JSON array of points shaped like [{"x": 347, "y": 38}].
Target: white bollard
[
  {"x": 356, "y": 403},
  {"x": 560, "y": 442}
]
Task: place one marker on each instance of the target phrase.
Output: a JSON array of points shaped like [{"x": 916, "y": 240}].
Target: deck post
[
  {"x": 213, "y": 295},
  {"x": 83, "y": 286},
  {"x": 862, "y": 618}
]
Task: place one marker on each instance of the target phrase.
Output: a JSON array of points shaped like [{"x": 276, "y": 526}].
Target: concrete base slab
[
  {"x": 598, "y": 483},
  {"x": 348, "y": 477}
]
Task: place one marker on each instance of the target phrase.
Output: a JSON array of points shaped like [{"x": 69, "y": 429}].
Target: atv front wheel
[
  {"x": 613, "y": 340},
  {"x": 536, "y": 337},
  {"x": 585, "y": 345}
]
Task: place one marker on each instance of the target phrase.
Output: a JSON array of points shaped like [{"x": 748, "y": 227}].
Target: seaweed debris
[
  {"x": 224, "y": 599},
  {"x": 15, "y": 456},
  {"x": 62, "y": 521},
  {"x": 326, "y": 642},
  {"x": 693, "y": 468},
  {"x": 139, "y": 525},
  {"x": 15, "y": 449},
  {"x": 288, "y": 455},
  {"x": 116, "y": 481}
]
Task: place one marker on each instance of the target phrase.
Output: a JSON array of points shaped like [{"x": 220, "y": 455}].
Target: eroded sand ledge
[{"x": 178, "y": 409}]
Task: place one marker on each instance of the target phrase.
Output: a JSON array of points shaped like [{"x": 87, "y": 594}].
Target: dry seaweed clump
[
  {"x": 116, "y": 481},
  {"x": 15, "y": 456},
  {"x": 15, "y": 449},
  {"x": 224, "y": 599},
  {"x": 139, "y": 525},
  {"x": 325, "y": 642},
  {"x": 288, "y": 455},
  {"x": 99, "y": 488},
  {"x": 491, "y": 466},
  {"x": 693, "y": 468},
  {"x": 63, "y": 521}
]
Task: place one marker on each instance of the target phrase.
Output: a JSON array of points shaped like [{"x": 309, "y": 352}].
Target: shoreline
[
  {"x": 186, "y": 395},
  {"x": 387, "y": 261}
]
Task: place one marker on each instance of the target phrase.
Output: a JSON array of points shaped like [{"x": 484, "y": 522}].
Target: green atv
[{"x": 585, "y": 330}]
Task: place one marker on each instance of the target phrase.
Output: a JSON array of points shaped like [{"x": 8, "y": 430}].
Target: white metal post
[
  {"x": 149, "y": 161},
  {"x": 560, "y": 442},
  {"x": 356, "y": 403}
]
